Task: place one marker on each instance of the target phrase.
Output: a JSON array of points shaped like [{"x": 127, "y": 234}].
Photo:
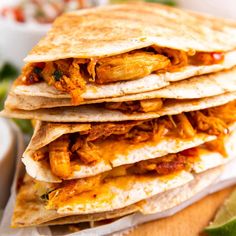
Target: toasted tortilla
[
  {"x": 41, "y": 171},
  {"x": 37, "y": 215},
  {"x": 47, "y": 132},
  {"x": 112, "y": 30},
  {"x": 99, "y": 33},
  {"x": 193, "y": 88},
  {"x": 148, "y": 83},
  {"x": 92, "y": 113}
]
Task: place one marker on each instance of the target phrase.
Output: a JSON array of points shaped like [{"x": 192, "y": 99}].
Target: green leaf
[
  {"x": 24, "y": 125},
  {"x": 166, "y": 2},
  {"x": 8, "y": 72},
  {"x": 4, "y": 87}
]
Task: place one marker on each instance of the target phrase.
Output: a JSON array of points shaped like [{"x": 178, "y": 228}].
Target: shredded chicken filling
[
  {"x": 71, "y": 75},
  {"x": 146, "y": 105},
  {"x": 166, "y": 165},
  {"x": 163, "y": 166},
  {"x": 83, "y": 147}
]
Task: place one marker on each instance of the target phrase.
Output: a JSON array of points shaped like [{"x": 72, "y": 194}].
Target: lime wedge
[{"x": 224, "y": 223}]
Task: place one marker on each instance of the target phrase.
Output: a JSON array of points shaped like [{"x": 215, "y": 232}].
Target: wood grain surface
[{"x": 189, "y": 222}]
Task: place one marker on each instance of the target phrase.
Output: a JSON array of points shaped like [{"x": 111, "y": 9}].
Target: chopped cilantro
[
  {"x": 57, "y": 75},
  {"x": 37, "y": 70}
]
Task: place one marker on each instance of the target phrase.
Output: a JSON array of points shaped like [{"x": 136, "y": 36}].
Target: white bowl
[
  {"x": 226, "y": 8},
  {"x": 17, "y": 39},
  {"x": 7, "y": 159}
]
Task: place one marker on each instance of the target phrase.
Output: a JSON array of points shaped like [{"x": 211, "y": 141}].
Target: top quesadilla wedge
[
  {"x": 69, "y": 151},
  {"x": 124, "y": 43},
  {"x": 193, "y": 88}
]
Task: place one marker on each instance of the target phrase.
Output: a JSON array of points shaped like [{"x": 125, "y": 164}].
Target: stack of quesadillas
[{"x": 135, "y": 109}]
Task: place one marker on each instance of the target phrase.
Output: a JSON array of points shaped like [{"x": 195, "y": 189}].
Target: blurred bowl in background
[
  {"x": 226, "y": 8},
  {"x": 7, "y": 160},
  {"x": 17, "y": 39}
]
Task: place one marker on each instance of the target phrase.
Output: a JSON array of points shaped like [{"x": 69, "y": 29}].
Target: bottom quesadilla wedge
[
  {"x": 156, "y": 204},
  {"x": 37, "y": 215},
  {"x": 71, "y": 151},
  {"x": 120, "y": 188}
]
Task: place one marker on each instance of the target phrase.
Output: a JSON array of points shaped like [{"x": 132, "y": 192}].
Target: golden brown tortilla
[
  {"x": 36, "y": 214},
  {"x": 111, "y": 30}
]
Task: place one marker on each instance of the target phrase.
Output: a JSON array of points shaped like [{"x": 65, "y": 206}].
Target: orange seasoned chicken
[
  {"x": 225, "y": 112},
  {"x": 185, "y": 128},
  {"x": 149, "y": 105},
  {"x": 177, "y": 58},
  {"x": 72, "y": 188},
  {"x": 129, "y": 66},
  {"x": 59, "y": 157},
  {"x": 89, "y": 153},
  {"x": 66, "y": 77},
  {"x": 162, "y": 166},
  {"x": 41, "y": 153},
  {"x": 146, "y": 105},
  {"x": 211, "y": 125}
]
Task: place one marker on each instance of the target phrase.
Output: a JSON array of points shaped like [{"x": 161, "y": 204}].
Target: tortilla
[
  {"x": 193, "y": 88},
  {"x": 36, "y": 213},
  {"x": 124, "y": 28},
  {"x": 148, "y": 83},
  {"x": 116, "y": 29},
  {"x": 91, "y": 113},
  {"x": 41, "y": 171}
]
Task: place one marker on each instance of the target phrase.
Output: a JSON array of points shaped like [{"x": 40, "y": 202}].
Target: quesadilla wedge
[
  {"x": 127, "y": 185},
  {"x": 37, "y": 215},
  {"x": 125, "y": 43},
  {"x": 67, "y": 151},
  {"x": 94, "y": 113},
  {"x": 193, "y": 88}
]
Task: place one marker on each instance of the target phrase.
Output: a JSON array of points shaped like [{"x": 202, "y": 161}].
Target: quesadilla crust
[
  {"x": 40, "y": 216},
  {"x": 132, "y": 26},
  {"x": 153, "y": 50}
]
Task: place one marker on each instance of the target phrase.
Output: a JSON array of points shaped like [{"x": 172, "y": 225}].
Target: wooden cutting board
[{"x": 189, "y": 222}]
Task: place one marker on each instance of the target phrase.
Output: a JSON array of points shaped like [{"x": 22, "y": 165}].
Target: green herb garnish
[
  {"x": 57, "y": 75},
  {"x": 37, "y": 70}
]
